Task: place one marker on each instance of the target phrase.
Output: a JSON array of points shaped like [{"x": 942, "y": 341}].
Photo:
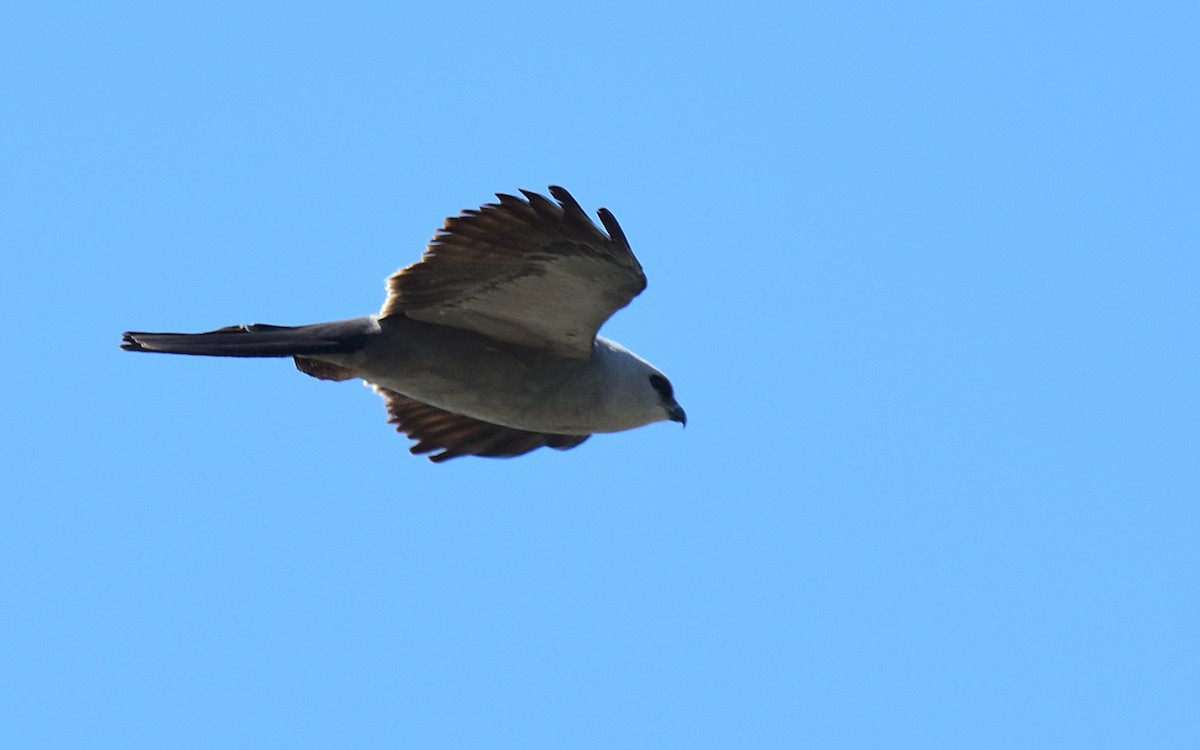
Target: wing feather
[
  {"x": 454, "y": 435},
  {"x": 527, "y": 271}
]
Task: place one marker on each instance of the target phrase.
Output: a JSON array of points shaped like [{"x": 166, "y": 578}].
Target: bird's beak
[{"x": 676, "y": 413}]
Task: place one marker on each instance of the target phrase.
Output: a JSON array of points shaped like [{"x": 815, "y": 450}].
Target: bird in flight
[{"x": 488, "y": 345}]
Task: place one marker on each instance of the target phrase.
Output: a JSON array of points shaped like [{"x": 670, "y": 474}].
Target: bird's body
[{"x": 489, "y": 349}]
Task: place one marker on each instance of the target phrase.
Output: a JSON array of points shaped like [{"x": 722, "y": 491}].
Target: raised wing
[
  {"x": 455, "y": 435},
  {"x": 528, "y": 272}
]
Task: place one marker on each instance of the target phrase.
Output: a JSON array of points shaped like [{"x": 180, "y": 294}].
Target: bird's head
[
  {"x": 636, "y": 392},
  {"x": 666, "y": 398}
]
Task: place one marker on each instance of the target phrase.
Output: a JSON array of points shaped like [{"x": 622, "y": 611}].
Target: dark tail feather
[{"x": 259, "y": 340}]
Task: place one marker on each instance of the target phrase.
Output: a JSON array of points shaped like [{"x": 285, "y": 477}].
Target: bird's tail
[{"x": 259, "y": 340}]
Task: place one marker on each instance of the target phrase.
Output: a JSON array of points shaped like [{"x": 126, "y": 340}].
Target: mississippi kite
[{"x": 488, "y": 345}]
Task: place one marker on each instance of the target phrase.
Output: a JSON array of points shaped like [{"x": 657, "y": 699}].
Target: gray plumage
[{"x": 488, "y": 346}]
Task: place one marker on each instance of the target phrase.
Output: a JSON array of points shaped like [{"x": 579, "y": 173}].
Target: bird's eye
[{"x": 663, "y": 386}]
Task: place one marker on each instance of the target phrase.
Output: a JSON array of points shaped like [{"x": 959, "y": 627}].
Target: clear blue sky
[{"x": 925, "y": 276}]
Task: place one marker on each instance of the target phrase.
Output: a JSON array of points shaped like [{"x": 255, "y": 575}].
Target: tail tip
[{"x": 130, "y": 343}]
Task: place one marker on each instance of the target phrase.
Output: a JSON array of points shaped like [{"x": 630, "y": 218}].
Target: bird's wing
[
  {"x": 455, "y": 435},
  {"x": 529, "y": 272}
]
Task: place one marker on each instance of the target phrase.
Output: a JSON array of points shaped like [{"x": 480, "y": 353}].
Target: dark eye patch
[{"x": 663, "y": 386}]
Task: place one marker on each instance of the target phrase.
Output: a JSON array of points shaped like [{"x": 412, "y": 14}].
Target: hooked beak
[{"x": 676, "y": 413}]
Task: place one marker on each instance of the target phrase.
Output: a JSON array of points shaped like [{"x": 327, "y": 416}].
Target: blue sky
[{"x": 924, "y": 276}]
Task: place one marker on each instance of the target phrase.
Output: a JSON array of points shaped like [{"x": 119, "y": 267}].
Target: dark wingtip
[
  {"x": 570, "y": 206},
  {"x": 614, "y": 229}
]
